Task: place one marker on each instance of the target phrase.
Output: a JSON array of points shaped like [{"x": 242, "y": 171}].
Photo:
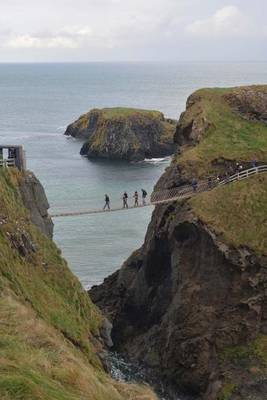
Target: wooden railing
[
  {"x": 185, "y": 191},
  {"x": 244, "y": 174},
  {"x": 9, "y": 162}
]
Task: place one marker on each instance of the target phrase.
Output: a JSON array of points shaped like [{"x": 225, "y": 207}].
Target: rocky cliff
[
  {"x": 50, "y": 341},
  {"x": 126, "y": 134},
  {"x": 191, "y": 302},
  {"x": 35, "y": 200}
]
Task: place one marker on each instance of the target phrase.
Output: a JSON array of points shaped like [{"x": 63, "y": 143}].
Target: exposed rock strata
[
  {"x": 35, "y": 200},
  {"x": 124, "y": 134}
]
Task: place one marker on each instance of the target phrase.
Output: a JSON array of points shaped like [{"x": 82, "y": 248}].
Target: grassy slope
[
  {"x": 47, "y": 320},
  {"x": 238, "y": 212},
  {"x": 229, "y": 136},
  {"x": 124, "y": 112}
]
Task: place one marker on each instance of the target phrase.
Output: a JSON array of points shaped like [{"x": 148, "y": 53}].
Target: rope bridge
[{"x": 173, "y": 194}]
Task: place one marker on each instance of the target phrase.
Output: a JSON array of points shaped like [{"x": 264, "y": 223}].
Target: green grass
[
  {"x": 256, "y": 351},
  {"x": 243, "y": 363},
  {"x": 237, "y": 212},
  {"x": 227, "y": 391},
  {"x": 47, "y": 320},
  {"x": 229, "y": 136},
  {"x": 124, "y": 112}
]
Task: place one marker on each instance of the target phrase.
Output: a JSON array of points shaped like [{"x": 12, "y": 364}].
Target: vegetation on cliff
[
  {"x": 49, "y": 326},
  {"x": 219, "y": 125},
  {"x": 124, "y": 133},
  {"x": 192, "y": 301},
  {"x": 238, "y": 212}
]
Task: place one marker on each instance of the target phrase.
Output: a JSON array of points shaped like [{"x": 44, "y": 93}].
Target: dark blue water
[{"x": 37, "y": 101}]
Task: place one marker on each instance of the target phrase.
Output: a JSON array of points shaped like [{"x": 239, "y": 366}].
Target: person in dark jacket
[
  {"x": 125, "y": 200},
  {"x": 144, "y": 194},
  {"x": 194, "y": 185},
  {"x": 107, "y": 202}
]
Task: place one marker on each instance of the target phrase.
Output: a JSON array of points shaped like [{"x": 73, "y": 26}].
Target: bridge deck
[{"x": 174, "y": 194}]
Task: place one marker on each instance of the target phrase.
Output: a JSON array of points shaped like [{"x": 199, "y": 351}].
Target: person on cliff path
[
  {"x": 135, "y": 196},
  {"x": 125, "y": 200},
  {"x": 144, "y": 194},
  {"x": 194, "y": 185},
  {"x": 210, "y": 183},
  {"x": 107, "y": 202},
  {"x": 254, "y": 163}
]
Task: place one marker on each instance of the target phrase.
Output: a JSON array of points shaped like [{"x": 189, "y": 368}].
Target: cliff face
[
  {"x": 35, "y": 200},
  {"x": 50, "y": 330},
  {"x": 126, "y": 134},
  {"x": 191, "y": 303}
]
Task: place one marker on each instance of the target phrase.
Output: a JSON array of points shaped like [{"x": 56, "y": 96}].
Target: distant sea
[{"x": 37, "y": 101}]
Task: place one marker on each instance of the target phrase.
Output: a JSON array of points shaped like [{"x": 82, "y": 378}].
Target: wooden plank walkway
[{"x": 174, "y": 194}]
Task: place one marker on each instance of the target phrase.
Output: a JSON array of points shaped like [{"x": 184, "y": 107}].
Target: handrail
[
  {"x": 9, "y": 162},
  {"x": 244, "y": 174},
  {"x": 173, "y": 194}
]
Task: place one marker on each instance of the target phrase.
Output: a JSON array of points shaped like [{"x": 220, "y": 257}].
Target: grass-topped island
[{"x": 124, "y": 133}]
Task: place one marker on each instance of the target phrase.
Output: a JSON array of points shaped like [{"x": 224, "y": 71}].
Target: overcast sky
[{"x": 133, "y": 30}]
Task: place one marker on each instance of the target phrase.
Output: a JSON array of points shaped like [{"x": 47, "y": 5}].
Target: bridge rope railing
[{"x": 176, "y": 193}]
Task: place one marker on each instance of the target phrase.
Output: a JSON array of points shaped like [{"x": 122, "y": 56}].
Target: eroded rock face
[
  {"x": 35, "y": 200},
  {"x": 183, "y": 298},
  {"x": 124, "y": 134},
  {"x": 250, "y": 102},
  {"x": 193, "y": 123},
  {"x": 189, "y": 306}
]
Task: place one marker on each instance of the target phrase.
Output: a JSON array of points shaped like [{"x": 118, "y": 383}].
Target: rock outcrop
[
  {"x": 191, "y": 303},
  {"x": 35, "y": 200},
  {"x": 124, "y": 134}
]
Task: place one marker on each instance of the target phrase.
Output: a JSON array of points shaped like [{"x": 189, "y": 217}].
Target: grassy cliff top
[
  {"x": 237, "y": 212},
  {"x": 124, "y": 112},
  {"x": 229, "y": 125},
  {"x": 47, "y": 349}
]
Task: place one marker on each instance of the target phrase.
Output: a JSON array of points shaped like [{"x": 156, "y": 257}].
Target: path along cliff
[{"x": 191, "y": 303}]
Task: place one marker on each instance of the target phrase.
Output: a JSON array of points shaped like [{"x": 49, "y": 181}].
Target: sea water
[{"x": 37, "y": 101}]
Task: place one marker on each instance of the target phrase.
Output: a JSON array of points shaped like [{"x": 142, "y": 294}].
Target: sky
[{"x": 132, "y": 30}]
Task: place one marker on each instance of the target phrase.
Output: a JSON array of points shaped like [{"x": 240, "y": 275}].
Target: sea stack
[{"x": 124, "y": 134}]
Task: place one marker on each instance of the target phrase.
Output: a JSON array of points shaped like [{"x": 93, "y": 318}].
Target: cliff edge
[
  {"x": 191, "y": 303},
  {"x": 124, "y": 134},
  {"x": 50, "y": 330}
]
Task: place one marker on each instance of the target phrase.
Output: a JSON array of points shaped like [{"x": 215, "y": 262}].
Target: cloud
[
  {"x": 227, "y": 21},
  {"x": 33, "y": 42},
  {"x": 66, "y": 38}
]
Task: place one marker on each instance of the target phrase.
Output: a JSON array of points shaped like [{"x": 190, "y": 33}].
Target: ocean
[{"x": 38, "y": 101}]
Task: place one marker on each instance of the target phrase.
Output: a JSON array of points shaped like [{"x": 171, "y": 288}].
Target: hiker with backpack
[
  {"x": 144, "y": 195},
  {"x": 125, "y": 200}
]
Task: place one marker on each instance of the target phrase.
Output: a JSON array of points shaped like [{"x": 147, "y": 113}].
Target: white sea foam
[{"x": 157, "y": 160}]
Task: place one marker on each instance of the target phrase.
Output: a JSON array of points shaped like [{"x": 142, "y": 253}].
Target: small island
[{"x": 124, "y": 134}]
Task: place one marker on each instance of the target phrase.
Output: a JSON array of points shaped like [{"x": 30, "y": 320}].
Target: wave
[
  {"x": 61, "y": 128},
  {"x": 158, "y": 160}
]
